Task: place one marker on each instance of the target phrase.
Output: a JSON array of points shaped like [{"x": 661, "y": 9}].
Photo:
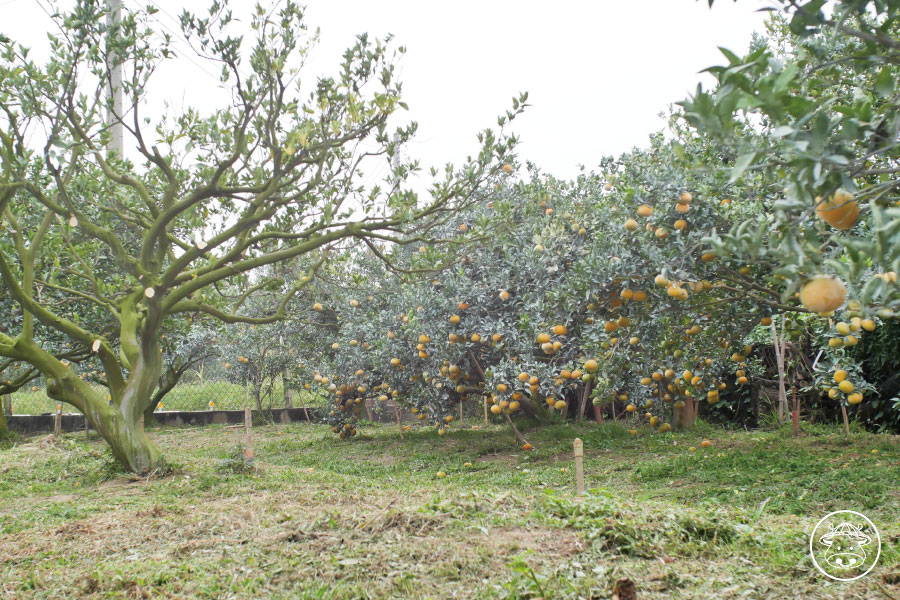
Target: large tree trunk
[
  {"x": 288, "y": 391},
  {"x": 118, "y": 421}
]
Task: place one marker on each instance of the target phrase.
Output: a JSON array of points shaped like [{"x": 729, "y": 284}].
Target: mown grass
[
  {"x": 183, "y": 397},
  {"x": 320, "y": 518}
]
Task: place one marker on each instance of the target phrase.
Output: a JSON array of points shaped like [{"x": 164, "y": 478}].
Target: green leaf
[
  {"x": 740, "y": 165},
  {"x": 885, "y": 84}
]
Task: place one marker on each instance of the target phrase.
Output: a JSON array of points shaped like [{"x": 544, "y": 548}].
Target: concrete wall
[{"x": 197, "y": 418}]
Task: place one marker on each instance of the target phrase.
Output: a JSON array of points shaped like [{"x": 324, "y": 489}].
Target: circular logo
[{"x": 845, "y": 545}]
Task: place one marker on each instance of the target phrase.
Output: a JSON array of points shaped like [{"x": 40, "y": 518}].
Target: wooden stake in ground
[
  {"x": 579, "y": 466},
  {"x": 248, "y": 444},
  {"x": 795, "y": 413},
  {"x": 57, "y": 428},
  {"x": 484, "y": 401},
  {"x": 779, "y": 361},
  {"x": 399, "y": 418}
]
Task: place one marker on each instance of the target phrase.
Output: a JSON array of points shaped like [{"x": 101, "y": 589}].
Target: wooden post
[
  {"x": 795, "y": 413},
  {"x": 248, "y": 444},
  {"x": 779, "y": 346},
  {"x": 579, "y": 466},
  {"x": 484, "y": 399},
  {"x": 369, "y": 408},
  {"x": 286, "y": 386},
  {"x": 399, "y": 418},
  {"x": 846, "y": 420},
  {"x": 57, "y": 429}
]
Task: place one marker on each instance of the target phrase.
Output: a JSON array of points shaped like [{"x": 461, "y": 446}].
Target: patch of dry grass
[{"x": 318, "y": 518}]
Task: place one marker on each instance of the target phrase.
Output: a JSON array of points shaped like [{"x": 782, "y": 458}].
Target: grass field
[
  {"x": 186, "y": 396},
  {"x": 320, "y": 518}
]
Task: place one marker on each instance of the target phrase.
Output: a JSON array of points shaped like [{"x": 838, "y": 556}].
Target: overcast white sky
[{"x": 598, "y": 72}]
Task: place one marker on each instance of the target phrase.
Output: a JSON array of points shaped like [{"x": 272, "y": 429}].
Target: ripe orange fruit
[
  {"x": 823, "y": 293},
  {"x": 686, "y": 197},
  {"x": 631, "y": 408},
  {"x": 640, "y": 296},
  {"x": 677, "y": 292},
  {"x": 496, "y": 409},
  {"x": 855, "y": 398},
  {"x": 559, "y": 329},
  {"x": 682, "y": 208},
  {"x": 317, "y": 306},
  {"x": 845, "y": 386},
  {"x": 560, "y": 404},
  {"x": 839, "y": 210},
  {"x": 507, "y": 169},
  {"x": 631, "y": 225},
  {"x": 660, "y": 232},
  {"x": 590, "y": 365},
  {"x": 527, "y": 447},
  {"x": 454, "y": 319},
  {"x": 765, "y": 321},
  {"x": 644, "y": 210},
  {"x": 543, "y": 338},
  {"x": 610, "y": 326},
  {"x": 504, "y": 295},
  {"x": 708, "y": 257},
  {"x": 680, "y": 224},
  {"x": 661, "y": 281},
  {"x": 705, "y": 444},
  {"x": 475, "y": 338},
  {"x": 502, "y": 387}
]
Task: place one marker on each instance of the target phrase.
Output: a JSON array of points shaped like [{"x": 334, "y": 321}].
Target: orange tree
[
  {"x": 814, "y": 108},
  {"x": 553, "y": 298},
  {"x": 272, "y": 175},
  {"x": 639, "y": 285}
]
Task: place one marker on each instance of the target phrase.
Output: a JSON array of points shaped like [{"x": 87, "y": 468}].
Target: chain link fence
[{"x": 192, "y": 393}]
